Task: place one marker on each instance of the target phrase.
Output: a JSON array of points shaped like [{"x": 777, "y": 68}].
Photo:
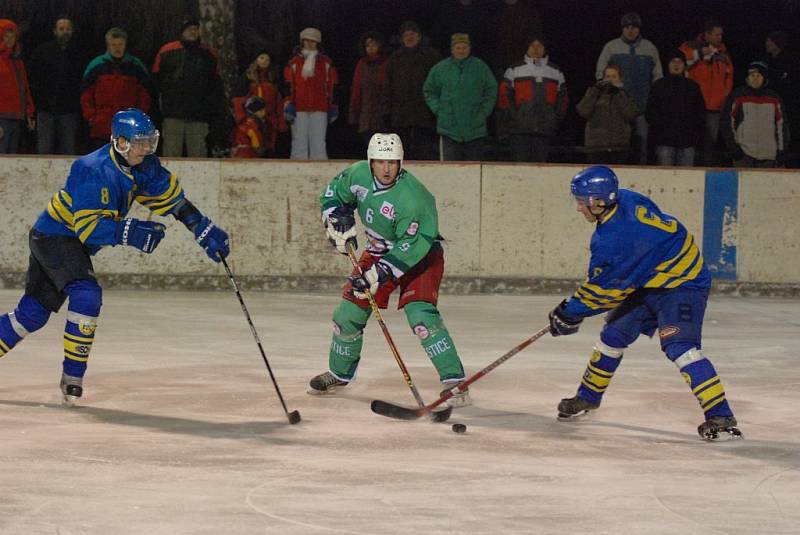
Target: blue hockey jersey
[
  {"x": 100, "y": 191},
  {"x": 636, "y": 245}
]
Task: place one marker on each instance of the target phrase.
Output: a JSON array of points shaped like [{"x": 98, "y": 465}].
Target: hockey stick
[
  {"x": 294, "y": 416},
  {"x": 438, "y": 416},
  {"x": 391, "y": 410}
]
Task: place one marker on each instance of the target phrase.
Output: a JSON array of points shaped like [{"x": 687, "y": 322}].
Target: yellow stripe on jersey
[
  {"x": 60, "y": 207},
  {"x": 87, "y": 220},
  {"x": 588, "y": 293},
  {"x": 161, "y": 204},
  {"x": 678, "y": 267}
]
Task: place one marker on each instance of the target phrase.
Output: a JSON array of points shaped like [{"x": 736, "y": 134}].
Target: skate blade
[
  {"x": 329, "y": 392},
  {"x": 68, "y": 401},
  {"x": 572, "y": 417},
  {"x": 459, "y": 403},
  {"x": 724, "y": 435}
]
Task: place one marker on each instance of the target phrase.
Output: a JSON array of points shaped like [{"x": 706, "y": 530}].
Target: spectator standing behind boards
[
  {"x": 249, "y": 136},
  {"x": 711, "y": 67},
  {"x": 16, "y": 104},
  {"x": 640, "y": 66},
  {"x": 188, "y": 79},
  {"x": 365, "y": 93},
  {"x": 461, "y": 91},
  {"x": 676, "y": 114},
  {"x": 784, "y": 79},
  {"x": 753, "y": 124},
  {"x": 310, "y": 106},
  {"x": 112, "y": 82},
  {"x": 259, "y": 80},
  {"x": 403, "y": 100},
  {"x": 56, "y": 68},
  {"x": 532, "y": 102},
  {"x": 608, "y": 110}
]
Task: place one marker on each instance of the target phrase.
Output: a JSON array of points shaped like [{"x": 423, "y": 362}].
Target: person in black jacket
[
  {"x": 188, "y": 79},
  {"x": 675, "y": 113},
  {"x": 56, "y": 70}
]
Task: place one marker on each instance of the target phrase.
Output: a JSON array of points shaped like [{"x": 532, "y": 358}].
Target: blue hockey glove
[
  {"x": 561, "y": 324},
  {"x": 144, "y": 235},
  {"x": 371, "y": 279},
  {"x": 212, "y": 238},
  {"x": 341, "y": 227}
]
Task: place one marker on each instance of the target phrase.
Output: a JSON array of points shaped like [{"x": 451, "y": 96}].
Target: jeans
[
  {"x": 55, "y": 133},
  {"x": 681, "y": 157},
  {"x": 452, "y": 150},
  {"x": 709, "y": 139},
  {"x": 10, "y": 132},
  {"x": 194, "y": 132},
  {"x": 529, "y": 147},
  {"x": 308, "y": 135},
  {"x": 639, "y": 148}
]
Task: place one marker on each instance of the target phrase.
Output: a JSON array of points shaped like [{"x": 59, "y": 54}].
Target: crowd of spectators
[{"x": 451, "y": 108}]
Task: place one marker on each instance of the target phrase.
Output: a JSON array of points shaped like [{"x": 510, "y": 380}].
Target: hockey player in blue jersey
[
  {"x": 647, "y": 272},
  {"x": 87, "y": 214}
]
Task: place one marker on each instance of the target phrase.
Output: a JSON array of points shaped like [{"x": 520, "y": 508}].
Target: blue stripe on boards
[{"x": 720, "y": 222}]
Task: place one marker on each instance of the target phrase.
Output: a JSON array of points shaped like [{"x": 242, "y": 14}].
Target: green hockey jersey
[{"x": 401, "y": 221}]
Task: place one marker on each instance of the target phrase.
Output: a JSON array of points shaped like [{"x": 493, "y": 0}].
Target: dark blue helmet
[
  {"x": 595, "y": 186},
  {"x": 136, "y": 127}
]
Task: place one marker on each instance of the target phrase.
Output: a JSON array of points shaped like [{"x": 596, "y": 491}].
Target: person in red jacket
[
  {"x": 249, "y": 137},
  {"x": 16, "y": 104},
  {"x": 259, "y": 80},
  {"x": 112, "y": 82},
  {"x": 365, "y": 110},
  {"x": 312, "y": 77}
]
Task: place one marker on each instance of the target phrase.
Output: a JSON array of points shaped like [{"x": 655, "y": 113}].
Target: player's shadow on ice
[{"x": 169, "y": 424}]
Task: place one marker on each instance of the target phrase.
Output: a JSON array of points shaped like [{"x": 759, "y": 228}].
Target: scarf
[{"x": 309, "y": 63}]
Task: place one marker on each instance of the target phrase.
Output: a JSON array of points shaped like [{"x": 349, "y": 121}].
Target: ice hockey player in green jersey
[{"x": 404, "y": 251}]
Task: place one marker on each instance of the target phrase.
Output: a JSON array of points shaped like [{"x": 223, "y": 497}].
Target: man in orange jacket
[{"x": 711, "y": 67}]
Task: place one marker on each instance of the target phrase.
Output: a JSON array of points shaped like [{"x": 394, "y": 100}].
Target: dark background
[{"x": 577, "y": 31}]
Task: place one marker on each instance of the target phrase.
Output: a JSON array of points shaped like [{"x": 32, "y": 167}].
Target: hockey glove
[
  {"x": 371, "y": 279},
  {"x": 211, "y": 238},
  {"x": 341, "y": 228},
  {"x": 561, "y": 324},
  {"x": 144, "y": 235},
  {"x": 738, "y": 154}
]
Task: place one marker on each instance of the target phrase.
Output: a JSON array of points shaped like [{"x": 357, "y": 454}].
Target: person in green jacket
[{"x": 461, "y": 91}]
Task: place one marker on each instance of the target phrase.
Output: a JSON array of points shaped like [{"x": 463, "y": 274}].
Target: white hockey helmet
[{"x": 385, "y": 147}]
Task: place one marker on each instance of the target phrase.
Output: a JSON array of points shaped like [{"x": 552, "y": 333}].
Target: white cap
[{"x": 312, "y": 34}]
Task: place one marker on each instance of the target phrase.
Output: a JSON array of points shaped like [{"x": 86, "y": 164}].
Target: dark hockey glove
[
  {"x": 371, "y": 280},
  {"x": 341, "y": 227},
  {"x": 561, "y": 324},
  {"x": 144, "y": 235},
  {"x": 212, "y": 238},
  {"x": 738, "y": 154}
]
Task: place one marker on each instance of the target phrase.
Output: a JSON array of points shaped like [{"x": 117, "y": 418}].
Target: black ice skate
[
  {"x": 325, "y": 383},
  {"x": 570, "y": 408},
  {"x": 71, "y": 389},
  {"x": 719, "y": 428},
  {"x": 460, "y": 399}
]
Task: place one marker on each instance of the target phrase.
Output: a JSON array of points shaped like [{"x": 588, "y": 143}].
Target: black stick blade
[
  {"x": 390, "y": 410},
  {"x": 442, "y": 415},
  {"x": 294, "y": 417}
]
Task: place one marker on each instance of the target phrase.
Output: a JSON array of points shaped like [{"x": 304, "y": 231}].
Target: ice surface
[{"x": 180, "y": 430}]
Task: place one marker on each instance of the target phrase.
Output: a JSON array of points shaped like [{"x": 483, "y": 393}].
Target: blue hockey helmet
[
  {"x": 136, "y": 128},
  {"x": 595, "y": 186}
]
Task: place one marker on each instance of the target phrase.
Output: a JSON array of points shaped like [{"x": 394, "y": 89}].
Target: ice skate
[
  {"x": 71, "y": 389},
  {"x": 325, "y": 384},
  {"x": 570, "y": 408},
  {"x": 719, "y": 428},
  {"x": 460, "y": 399}
]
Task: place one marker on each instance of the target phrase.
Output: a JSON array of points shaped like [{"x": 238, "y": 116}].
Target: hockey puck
[
  {"x": 294, "y": 417},
  {"x": 459, "y": 428}
]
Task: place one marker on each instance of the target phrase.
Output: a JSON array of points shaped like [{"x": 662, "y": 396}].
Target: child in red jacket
[{"x": 248, "y": 138}]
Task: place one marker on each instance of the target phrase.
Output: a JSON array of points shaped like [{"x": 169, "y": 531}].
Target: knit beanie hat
[
  {"x": 631, "y": 19},
  {"x": 312, "y": 34},
  {"x": 459, "y": 38},
  {"x": 189, "y": 21},
  {"x": 676, "y": 53},
  {"x": 410, "y": 25}
]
